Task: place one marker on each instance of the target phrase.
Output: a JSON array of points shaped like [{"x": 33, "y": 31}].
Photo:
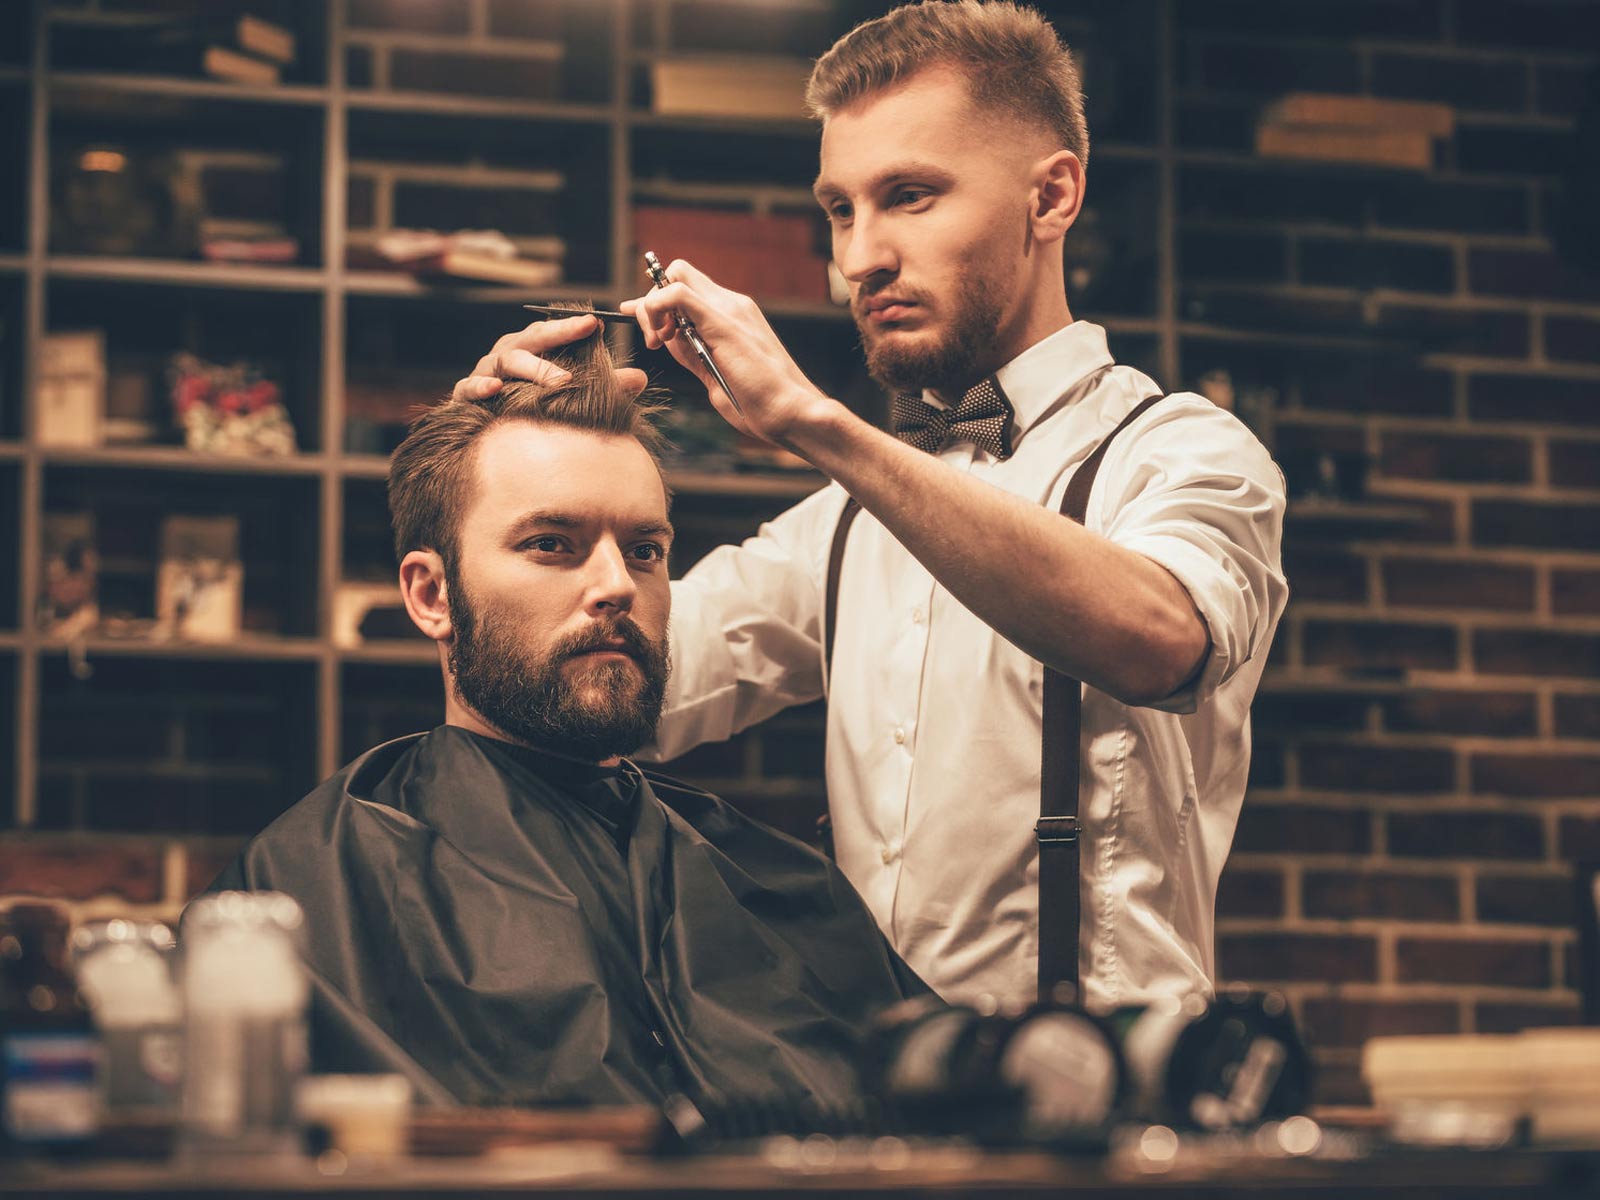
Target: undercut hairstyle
[
  {"x": 1013, "y": 60},
  {"x": 431, "y": 474}
]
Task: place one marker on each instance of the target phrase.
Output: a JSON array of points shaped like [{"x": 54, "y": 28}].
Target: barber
[{"x": 962, "y": 591}]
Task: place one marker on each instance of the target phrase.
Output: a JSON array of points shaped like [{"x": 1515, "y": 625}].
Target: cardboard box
[{"x": 200, "y": 579}]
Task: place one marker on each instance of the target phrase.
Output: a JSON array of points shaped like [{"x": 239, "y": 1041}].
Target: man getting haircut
[{"x": 504, "y": 907}]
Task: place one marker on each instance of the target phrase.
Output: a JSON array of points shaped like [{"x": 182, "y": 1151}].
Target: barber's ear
[
  {"x": 422, "y": 585},
  {"x": 1057, "y": 196}
]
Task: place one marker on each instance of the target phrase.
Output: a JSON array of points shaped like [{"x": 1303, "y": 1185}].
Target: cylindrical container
[
  {"x": 124, "y": 968},
  {"x": 244, "y": 1045},
  {"x": 1563, "y": 1070},
  {"x": 49, "y": 1053},
  {"x": 364, "y": 1115},
  {"x": 1229, "y": 1062},
  {"x": 1072, "y": 1078},
  {"x": 1448, "y": 1089}
]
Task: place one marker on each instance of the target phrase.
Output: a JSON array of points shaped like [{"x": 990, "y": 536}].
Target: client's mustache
[{"x": 604, "y": 637}]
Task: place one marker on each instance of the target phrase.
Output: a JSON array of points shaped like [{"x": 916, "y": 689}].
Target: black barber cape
[{"x": 506, "y": 926}]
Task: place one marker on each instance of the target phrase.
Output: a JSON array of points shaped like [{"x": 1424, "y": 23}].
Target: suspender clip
[{"x": 1054, "y": 830}]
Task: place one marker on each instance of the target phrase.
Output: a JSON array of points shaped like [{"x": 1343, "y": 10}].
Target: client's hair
[
  {"x": 1012, "y": 58},
  {"x": 431, "y": 473}
]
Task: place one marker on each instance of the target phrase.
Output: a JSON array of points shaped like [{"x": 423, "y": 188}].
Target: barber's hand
[
  {"x": 516, "y": 356},
  {"x": 773, "y": 392}
]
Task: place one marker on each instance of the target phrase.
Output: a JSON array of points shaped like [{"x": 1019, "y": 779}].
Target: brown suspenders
[{"x": 1057, "y": 829}]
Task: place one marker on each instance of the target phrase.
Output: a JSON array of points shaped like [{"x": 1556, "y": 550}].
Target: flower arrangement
[{"x": 231, "y": 409}]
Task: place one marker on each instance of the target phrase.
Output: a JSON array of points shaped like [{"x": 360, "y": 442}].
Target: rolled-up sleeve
[{"x": 1193, "y": 490}]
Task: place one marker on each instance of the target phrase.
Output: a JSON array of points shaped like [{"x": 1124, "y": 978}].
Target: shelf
[
  {"x": 248, "y": 648},
  {"x": 13, "y": 264},
  {"x": 179, "y": 273},
  {"x": 175, "y": 87},
  {"x": 176, "y": 458},
  {"x": 419, "y": 653},
  {"x": 469, "y": 291},
  {"x": 12, "y": 451},
  {"x": 434, "y": 104}
]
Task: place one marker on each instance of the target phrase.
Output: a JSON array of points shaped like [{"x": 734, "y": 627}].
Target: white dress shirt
[{"x": 933, "y": 737}]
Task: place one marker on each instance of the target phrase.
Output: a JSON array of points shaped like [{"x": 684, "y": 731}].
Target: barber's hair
[
  {"x": 1012, "y": 58},
  {"x": 431, "y": 474}
]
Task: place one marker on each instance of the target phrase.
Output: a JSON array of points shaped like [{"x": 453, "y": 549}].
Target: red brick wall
[
  {"x": 1403, "y": 862},
  {"x": 1428, "y": 755}
]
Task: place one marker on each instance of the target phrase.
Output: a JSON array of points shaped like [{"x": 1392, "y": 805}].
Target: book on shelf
[
  {"x": 70, "y": 391},
  {"x": 755, "y": 86},
  {"x": 265, "y": 39},
  {"x": 1362, "y": 112},
  {"x": 486, "y": 255},
  {"x": 767, "y": 255},
  {"x": 1327, "y": 143},
  {"x": 219, "y": 62},
  {"x": 1369, "y": 130},
  {"x": 241, "y": 48},
  {"x": 489, "y": 268}
]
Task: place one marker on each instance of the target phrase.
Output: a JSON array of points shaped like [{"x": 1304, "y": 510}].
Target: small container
[
  {"x": 49, "y": 1052},
  {"x": 1563, "y": 1067},
  {"x": 1449, "y": 1090},
  {"x": 364, "y": 1115},
  {"x": 125, "y": 969},
  {"x": 244, "y": 1026}
]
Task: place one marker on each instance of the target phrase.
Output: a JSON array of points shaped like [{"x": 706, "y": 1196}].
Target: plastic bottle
[
  {"x": 244, "y": 997},
  {"x": 49, "y": 1053}
]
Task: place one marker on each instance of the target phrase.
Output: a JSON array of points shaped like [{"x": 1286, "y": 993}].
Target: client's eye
[
  {"x": 544, "y": 544},
  {"x": 649, "y": 552}
]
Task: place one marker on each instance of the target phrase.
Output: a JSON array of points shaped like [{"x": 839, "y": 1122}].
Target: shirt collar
[{"x": 1052, "y": 368}]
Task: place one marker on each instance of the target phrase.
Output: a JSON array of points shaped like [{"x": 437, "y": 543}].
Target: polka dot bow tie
[{"x": 983, "y": 417}]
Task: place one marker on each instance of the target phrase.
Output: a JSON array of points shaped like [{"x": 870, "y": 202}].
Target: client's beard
[
  {"x": 530, "y": 699},
  {"x": 952, "y": 365}
]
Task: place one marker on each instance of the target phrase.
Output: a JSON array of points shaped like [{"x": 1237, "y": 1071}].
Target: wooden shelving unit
[{"x": 318, "y": 512}]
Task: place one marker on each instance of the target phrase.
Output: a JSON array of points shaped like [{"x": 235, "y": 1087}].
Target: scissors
[{"x": 686, "y": 327}]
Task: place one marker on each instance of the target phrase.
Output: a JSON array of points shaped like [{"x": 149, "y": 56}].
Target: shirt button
[
  {"x": 916, "y": 616},
  {"x": 899, "y": 735},
  {"x": 887, "y": 856}
]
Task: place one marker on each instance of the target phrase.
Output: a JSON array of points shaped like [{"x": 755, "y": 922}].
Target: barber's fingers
[
  {"x": 516, "y": 355},
  {"x": 632, "y": 380},
  {"x": 657, "y": 312},
  {"x": 514, "y": 358},
  {"x": 475, "y": 387}
]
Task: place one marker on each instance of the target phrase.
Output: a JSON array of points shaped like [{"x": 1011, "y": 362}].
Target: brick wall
[
  {"x": 1428, "y": 749},
  {"x": 1428, "y": 760}
]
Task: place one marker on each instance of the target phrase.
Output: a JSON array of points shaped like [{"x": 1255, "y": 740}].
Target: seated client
[{"x": 504, "y": 907}]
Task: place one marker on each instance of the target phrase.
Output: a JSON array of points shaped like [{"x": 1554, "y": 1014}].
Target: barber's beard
[
  {"x": 585, "y": 709},
  {"x": 961, "y": 356}
]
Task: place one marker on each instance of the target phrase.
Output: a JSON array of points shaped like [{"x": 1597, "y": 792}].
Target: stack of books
[
  {"x": 754, "y": 86},
  {"x": 242, "y": 49},
  {"x": 769, "y": 256},
  {"x": 1354, "y": 129}
]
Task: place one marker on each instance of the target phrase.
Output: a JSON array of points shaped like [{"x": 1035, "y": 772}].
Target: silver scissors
[{"x": 686, "y": 327}]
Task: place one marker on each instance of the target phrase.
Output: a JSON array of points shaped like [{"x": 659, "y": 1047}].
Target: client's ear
[{"x": 423, "y": 587}]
